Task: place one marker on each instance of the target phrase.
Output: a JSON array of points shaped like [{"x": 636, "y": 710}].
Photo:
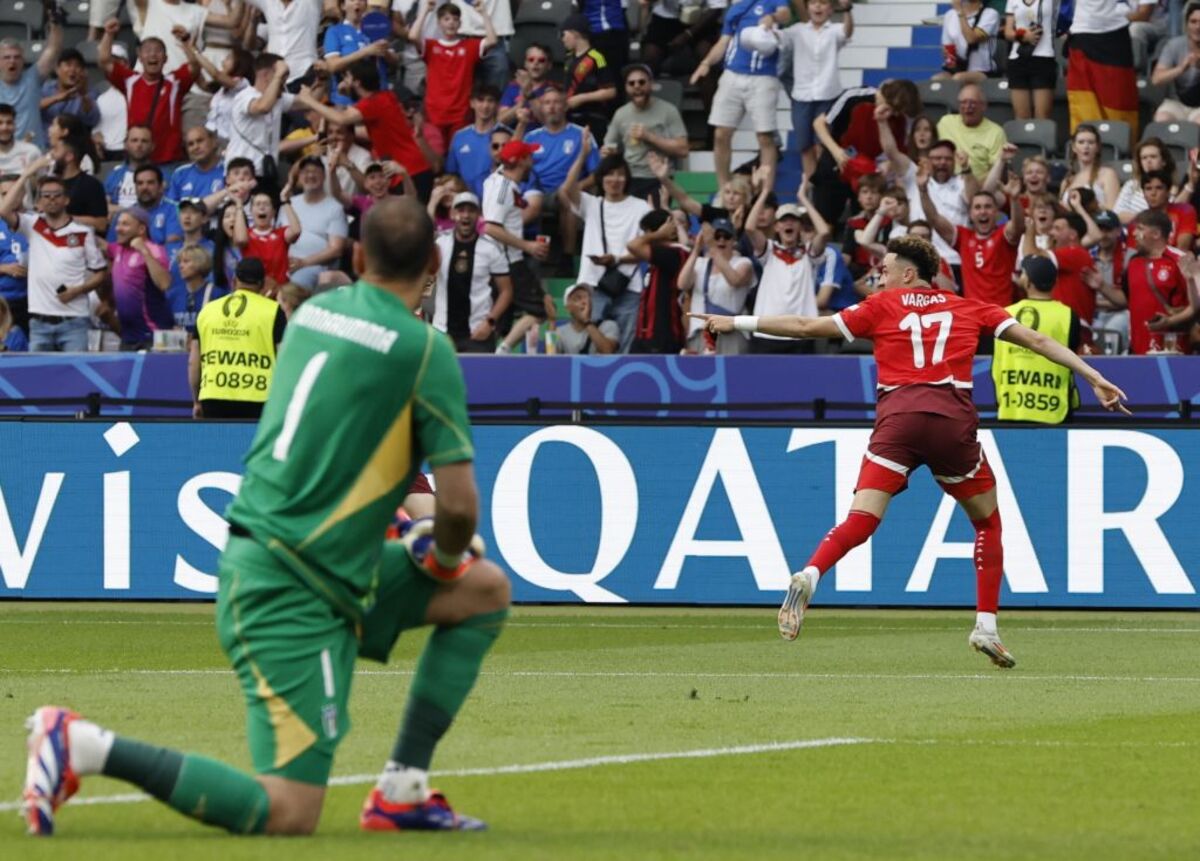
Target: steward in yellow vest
[
  {"x": 1030, "y": 388},
  {"x": 233, "y": 354}
]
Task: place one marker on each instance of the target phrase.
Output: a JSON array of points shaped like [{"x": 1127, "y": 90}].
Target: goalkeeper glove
[{"x": 417, "y": 538}]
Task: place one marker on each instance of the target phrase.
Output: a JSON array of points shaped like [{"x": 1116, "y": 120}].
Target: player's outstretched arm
[
  {"x": 1106, "y": 393},
  {"x": 788, "y": 326}
]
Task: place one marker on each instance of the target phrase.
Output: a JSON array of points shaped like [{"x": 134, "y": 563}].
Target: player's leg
[
  {"x": 294, "y": 658},
  {"x": 469, "y": 614},
  {"x": 960, "y": 467},
  {"x": 884, "y": 473},
  {"x": 989, "y": 571},
  {"x": 64, "y": 748}
]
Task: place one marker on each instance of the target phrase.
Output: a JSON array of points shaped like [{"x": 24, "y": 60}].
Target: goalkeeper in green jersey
[{"x": 363, "y": 393}]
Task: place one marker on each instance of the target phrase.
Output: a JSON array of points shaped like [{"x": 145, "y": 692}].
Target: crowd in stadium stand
[{"x": 150, "y": 145}]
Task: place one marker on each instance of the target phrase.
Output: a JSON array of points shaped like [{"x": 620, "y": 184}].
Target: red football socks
[
  {"x": 989, "y": 562},
  {"x": 851, "y": 532}
]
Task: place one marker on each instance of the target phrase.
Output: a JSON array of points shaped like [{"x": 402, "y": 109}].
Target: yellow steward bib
[
  {"x": 1030, "y": 388},
  {"x": 237, "y": 347}
]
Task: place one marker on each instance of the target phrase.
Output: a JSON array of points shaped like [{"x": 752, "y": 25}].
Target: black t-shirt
[
  {"x": 587, "y": 74},
  {"x": 660, "y": 316},
  {"x": 458, "y": 289},
  {"x": 86, "y": 196}
]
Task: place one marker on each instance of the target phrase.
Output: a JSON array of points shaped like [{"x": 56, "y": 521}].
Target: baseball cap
[
  {"x": 573, "y": 288},
  {"x": 790, "y": 210},
  {"x": 250, "y": 270},
  {"x": 195, "y": 203},
  {"x": 576, "y": 22},
  {"x": 514, "y": 151},
  {"x": 1041, "y": 271},
  {"x": 464, "y": 198},
  {"x": 723, "y": 225},
  {"x": 1107, "y": 220}
]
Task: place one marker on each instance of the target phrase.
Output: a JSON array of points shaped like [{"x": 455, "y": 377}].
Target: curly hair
[{"x": 920, "y": 253}]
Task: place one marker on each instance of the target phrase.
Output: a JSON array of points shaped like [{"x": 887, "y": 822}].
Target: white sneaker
[
  {"x": 988, "y": 642},
  {"x": 800, "y": 591}
]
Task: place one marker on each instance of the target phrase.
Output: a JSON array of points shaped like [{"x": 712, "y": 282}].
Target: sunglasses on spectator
[
  {"x": 51, "y": 194},
  {"x": 496, "y": 146},
  {"x": 637, "y": 82}
]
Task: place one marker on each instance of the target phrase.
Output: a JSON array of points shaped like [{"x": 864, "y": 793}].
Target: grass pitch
[{"x": 644, "y": 734}]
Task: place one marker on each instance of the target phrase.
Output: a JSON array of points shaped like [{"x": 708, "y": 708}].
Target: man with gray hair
[{"x": 21, "y": 85}]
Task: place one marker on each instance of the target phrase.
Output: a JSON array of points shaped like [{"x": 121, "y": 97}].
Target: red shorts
[
  {"x": 903, "y": 441},
  {"x": 420, "y": 484}
]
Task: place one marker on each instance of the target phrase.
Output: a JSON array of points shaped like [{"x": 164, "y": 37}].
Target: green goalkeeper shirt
[{"x": 363, "y": 393}]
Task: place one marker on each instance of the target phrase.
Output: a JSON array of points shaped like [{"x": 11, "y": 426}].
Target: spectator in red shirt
[
  {"x": 450, "y": 64},
  {"x": 1160, "y": 308},
  {"x": 859, "y": 258},
  {"x": 1073, "y": 234},
  {"x": 1156, "y": 188},
  {"x": 989, "y": 254},
  {"x": 379, "y": 110},
  {"x": 155, "y": 99},
  {"x": 268, "y": 242}
]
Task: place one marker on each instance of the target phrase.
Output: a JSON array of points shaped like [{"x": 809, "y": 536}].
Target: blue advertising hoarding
[
  {"x": 709, "y": 384},
  {"x": 679, "y": 515}
]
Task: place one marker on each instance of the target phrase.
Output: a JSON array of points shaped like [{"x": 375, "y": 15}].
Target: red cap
[{"x": 514, "y": 151}]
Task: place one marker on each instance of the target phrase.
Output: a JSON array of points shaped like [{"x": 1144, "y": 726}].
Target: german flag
[{"x": 1101, "y": 82}]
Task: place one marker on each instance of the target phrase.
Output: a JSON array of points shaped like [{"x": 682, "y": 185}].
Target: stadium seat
[
  {"x": 999, "y": 102},
  {"x": 552, "y": 12},
  {"x": 14, "y": 30},
  {"x": 1031, "y": 135},
  {"x": 941, "y": 93},
  {"x": 1124, "y": 170},
  {"x": 27, "y": 12},
  {"x": 1115, "y": 136},
  {"x": 670, "y": 91},
  {"x": 74, "y": 34},
  {"x": 77, "y": 10},
  {"x": 1179, "y": 137},
  {"x": 698, "y": 185}
]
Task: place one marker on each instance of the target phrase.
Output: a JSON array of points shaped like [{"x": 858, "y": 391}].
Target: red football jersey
[
  {"x": 1169, "y": 293},
  {"x": 1183, "y": 223},
  {"x": 1072, "y": 261},
  {"x": 450, "y": 70},
  {"x": 922, "y": 337},
  {"x": 987, "y": 265}
]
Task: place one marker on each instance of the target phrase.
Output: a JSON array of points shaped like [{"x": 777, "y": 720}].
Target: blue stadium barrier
[{"x": 639, "y": 514}]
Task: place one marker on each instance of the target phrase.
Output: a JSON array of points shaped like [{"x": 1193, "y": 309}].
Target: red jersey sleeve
[
  {"x": 119, "y": 74},
  {"x": 859, "y": 321},
  {"x": 961, "y": 235},
  {"x": 369, "y": 108},
  {"x": 184, "y": 76},
  {"x": 1073, "y": 258},
  {"x": 993, "y": 318},
  {"x": 1187, "y": 220}
]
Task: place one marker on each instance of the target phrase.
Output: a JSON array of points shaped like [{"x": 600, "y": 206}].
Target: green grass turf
[{"x": 1090, "y": 749}]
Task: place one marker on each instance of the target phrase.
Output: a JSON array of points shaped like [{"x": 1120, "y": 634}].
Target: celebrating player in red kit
[{"x": 925, "y": 341}]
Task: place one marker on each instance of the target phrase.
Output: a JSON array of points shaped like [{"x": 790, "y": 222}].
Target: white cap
[
  {"x": 573, "y": 288},
  {"x": 464, "y": 197}
]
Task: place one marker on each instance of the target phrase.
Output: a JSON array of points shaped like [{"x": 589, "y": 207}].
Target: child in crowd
[
  {"x": 268, "y": 242},
  {"x": 860, "y": 258},
  {"x": 450, "y": 65}
]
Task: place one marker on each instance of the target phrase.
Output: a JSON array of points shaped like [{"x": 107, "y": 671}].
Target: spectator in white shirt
[
  {"x": 292, "y": 27},
  {"x": 815, "y": 45},
  {"x": 611, "y": 220},
  {"x": 323, "y": 227},
  {"x": 719, "y": 282},
  {"x": 464, "y": 305},
  {"x": 787, "y": 284},
  {"x": 255, "y": 113},
  {"x": 969, "y": 31}
]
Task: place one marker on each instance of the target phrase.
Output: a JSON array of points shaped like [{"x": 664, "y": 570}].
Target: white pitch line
[
  {"x": 536, "y": 767},
  {"x": 653, "y": 674},
  {"x": 652, "y": 626}
]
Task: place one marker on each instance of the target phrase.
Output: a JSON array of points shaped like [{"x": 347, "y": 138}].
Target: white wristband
[{"x": 745, "y": 323}]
